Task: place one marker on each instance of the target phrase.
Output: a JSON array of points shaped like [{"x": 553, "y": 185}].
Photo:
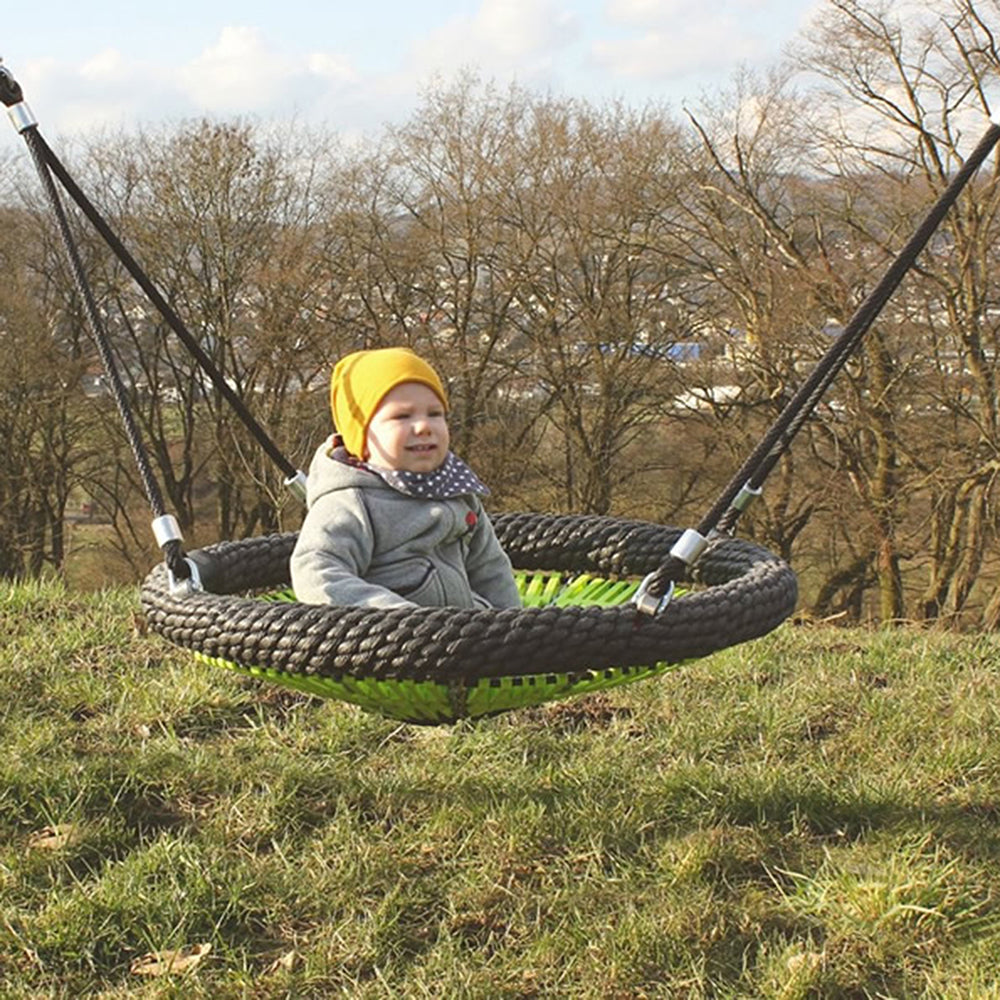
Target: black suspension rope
[
  {"x": 173, "y": 552},
  {"x": 167, "y": 536},
  {"x": 47, "y": 163},
  {"x": 723, "y": 515}
]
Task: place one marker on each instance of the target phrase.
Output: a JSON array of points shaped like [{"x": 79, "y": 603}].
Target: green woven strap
[{"x": 432, "y": 702}]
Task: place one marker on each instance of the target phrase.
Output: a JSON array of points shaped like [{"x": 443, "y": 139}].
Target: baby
[{"x": 394, "y": 516}]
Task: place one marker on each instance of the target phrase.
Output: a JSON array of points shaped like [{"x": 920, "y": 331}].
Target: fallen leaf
[
  {"x": 163, "y": 963},
  {"x": 286, "y": 962},
  {"x": 54, "y": 838}
]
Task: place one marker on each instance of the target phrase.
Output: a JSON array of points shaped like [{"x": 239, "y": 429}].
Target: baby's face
[{"x": 409, "y": 430}]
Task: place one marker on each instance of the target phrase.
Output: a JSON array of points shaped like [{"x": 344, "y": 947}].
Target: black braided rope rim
[{"x": 748, "y": 592}]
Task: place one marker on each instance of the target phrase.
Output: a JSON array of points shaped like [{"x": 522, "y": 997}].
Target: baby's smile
[{"x": 409, "y": 430}]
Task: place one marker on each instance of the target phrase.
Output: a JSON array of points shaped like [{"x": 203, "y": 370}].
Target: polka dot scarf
[{"x": 452, "y": 478}]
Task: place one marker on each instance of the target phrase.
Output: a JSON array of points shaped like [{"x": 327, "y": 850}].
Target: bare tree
[
  {"x": 450, "y": 165},
  {"x": 599, "y": 294},
  {"x": 758, "y": 231},
  {"x": 44, "y": 428},
  {"x": 223, "y": 219},
  {"x": 908, "y": 95}
]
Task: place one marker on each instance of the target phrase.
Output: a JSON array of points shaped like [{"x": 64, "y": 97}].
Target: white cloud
[
  {"x": 236, "y": 74},
  {"x": 277, "y": 66},
  {"x": 107, "y": 66},
  {"x": 331, "y": 67},
  {"x": 693, "y": 46},
  {"x": 646, "y": 13},
  {"x": 669, "y": 39},
  {"x": 675, "y": 14},
  {"x": 105, "y": 90},
  {"x": 512, "y": 37},
  {"x": 522, "y": 27}
]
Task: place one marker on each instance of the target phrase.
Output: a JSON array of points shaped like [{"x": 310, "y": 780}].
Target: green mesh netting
[{"x": 430, "y": 702}]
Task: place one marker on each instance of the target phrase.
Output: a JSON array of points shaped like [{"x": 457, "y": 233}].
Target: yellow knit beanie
[{"x": 360, "y": 382}]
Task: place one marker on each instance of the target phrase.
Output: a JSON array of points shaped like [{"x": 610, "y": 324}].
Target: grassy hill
[{"x": 814, "y": 814}]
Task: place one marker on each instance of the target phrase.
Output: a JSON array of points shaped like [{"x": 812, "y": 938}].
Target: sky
[{"x": 355, "y": 66}]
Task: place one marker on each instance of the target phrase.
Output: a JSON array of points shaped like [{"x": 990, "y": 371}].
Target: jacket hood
[{"x": 328, "y": 474}]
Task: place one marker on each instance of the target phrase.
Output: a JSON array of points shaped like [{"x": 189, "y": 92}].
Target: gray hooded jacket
[{"x": 365, "y": 543}]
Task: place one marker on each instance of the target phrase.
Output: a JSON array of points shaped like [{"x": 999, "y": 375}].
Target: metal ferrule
[
  {"x": 166, "y": 529},
  {"x": 689, "y": 547},
  {"x": 745, "y": 497},
  {"x": 21, "y": 116},
  {"x": 297, "y": 485}
]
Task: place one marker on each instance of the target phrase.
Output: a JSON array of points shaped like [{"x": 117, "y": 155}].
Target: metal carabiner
[
  {"x": 647, "y": 603},
  {"x": 185, "y": 588}
]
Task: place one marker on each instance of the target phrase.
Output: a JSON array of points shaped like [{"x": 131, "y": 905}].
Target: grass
[{"x": 811, "y": 815}]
